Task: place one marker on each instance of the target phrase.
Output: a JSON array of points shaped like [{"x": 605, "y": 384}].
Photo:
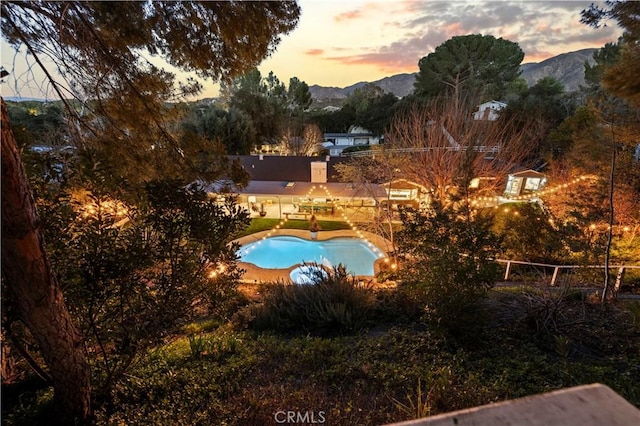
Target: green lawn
[{"x": 265, "y": 224}]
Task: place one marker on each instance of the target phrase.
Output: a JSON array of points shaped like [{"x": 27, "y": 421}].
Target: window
[
  {"x": 400, "y": 194},
  {"x": 532, "y": 184},
  {"x": 513, "y": 185}
]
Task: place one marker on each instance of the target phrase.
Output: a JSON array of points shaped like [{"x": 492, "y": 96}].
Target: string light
[
  {"x": 246, "y": 250},
  {"x": 220, "y": 269},
  {"x": 354, "y": 228},
  {"x": 550, "y": 190},
  {"x": 592, "y": 227}
]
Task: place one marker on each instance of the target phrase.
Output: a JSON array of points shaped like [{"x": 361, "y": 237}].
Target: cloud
[
  {"x": 415, "y": 28},
  {"x": 400, "y": 56},
  {"x": 314, "y": 52},
  {"x": 542, "y": 29},
  {"x": 348, "y": 16},
  {"x": 365, "y": 11},
  {"x": 387, "y": 62}
]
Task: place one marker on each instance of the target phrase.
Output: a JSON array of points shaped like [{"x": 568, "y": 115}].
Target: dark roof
[
  {"x": 529, "y": 173},
  {"x": 289, "y": 168},
  {"x": 346, "y": 135}
]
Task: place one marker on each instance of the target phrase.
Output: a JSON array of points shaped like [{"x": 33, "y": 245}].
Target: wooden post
[
  {"x": 555, "y": 275},
  {"x": 619, "y": 278},
  {"x": 506, "y": 272}
]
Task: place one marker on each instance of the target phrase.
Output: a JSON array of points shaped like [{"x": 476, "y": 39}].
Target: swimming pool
[{"x": 282, "y": 252}]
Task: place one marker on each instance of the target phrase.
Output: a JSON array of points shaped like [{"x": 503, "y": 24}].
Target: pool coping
[{"x": 254, "y": 274}]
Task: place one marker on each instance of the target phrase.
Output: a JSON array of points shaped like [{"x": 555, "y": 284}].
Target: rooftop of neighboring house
[
  {"x": 528, "y": 173},
  {"x": 286, "y": 168},
  {"x": 352, "y": 132},
  {"x": 494, "y": 104}
]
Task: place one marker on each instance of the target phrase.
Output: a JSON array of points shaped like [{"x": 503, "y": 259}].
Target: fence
[
  {"x": 556, "y": 269},
  {"x": 490, "y": 150}
]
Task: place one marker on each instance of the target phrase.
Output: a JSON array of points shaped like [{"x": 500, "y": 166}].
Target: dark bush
[
  {"x": 450, "y": 265},
  {"x": 336, "y": 304},
  {"x": 528, "y": 233}
]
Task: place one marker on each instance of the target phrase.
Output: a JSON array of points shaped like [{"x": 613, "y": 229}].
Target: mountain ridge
[{"x": 568, "y": 68}]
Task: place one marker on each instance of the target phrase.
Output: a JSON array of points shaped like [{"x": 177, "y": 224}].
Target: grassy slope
[
  {"x": 372, "y": 378},
  {"x": 244, "y": 377}
]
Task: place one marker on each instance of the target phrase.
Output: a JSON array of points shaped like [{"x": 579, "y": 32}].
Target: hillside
[{"x": 568, "y": 68}]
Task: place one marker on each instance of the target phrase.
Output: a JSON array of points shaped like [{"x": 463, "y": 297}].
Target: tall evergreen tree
[
  {"x": 100, "y": 50},
  {"x": 621, "y": 79},
  {"x": 469, "y": 66}
]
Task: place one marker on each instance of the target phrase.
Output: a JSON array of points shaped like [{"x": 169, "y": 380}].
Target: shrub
[
  {"x": 337, "y": 303},
  {"x": 397, "y": 305},
  {"x": 450, "y": 264},
  {"x": 528, "y": 233}
]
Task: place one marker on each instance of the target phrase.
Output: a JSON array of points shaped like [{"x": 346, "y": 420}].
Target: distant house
[
  {"x": 488, "y": 111},
  {"x": 331, "y": 108},
  {"x": 524, "y": 182},
  {"x": 337, "y": 142},
  {"x": 404, "y": 192}
]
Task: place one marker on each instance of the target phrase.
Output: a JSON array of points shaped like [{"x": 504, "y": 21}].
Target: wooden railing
[
  {"x": 556, "y": 269},
  {"x": 490, "y": 150}
]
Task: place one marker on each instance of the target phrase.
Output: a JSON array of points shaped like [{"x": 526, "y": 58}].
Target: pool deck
[{"x": 255, "y": 274}]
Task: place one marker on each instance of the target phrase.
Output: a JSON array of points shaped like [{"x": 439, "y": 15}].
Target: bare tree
[
  {"x": 312, "y": 136},
  {"x": 442, "y": 148},
  {"x": 292, "y": 143},
  {"x": 366, "y": 173}
]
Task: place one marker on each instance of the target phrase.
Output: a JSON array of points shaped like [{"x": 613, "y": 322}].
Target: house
[
  {"x": 488, "y": 111},
  {"x": 356, "y": 136},
  {"x": 290, "y": 185},
  {"x": 331, "y": 108},
  {"x": 285, "y": 185},
  {"x": 524, "y": 182},
  {"x": 404, "y": 192}
]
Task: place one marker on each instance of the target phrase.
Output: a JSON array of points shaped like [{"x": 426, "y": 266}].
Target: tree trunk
[
  {"x": 608, "y": 292},
  {"x": 34, "y": 286}
]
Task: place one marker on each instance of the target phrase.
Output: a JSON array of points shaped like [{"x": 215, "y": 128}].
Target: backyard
[{"x": 392, "y": 368}]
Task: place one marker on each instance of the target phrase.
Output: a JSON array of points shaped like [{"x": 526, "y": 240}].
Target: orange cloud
[
  {"x": 453, "y": 28},
  {"x": 314, "y": 52},
  {"x": 409, "y": 6},
  {"x": 389, "y": 63},
  {"x": 352, "y": 14},
  {"x": 369, "y": 9}
]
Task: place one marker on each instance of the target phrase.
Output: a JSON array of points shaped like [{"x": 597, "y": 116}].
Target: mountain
[
  {"x": 399, "y": 85},
  {"x": 568, "y": 68}
]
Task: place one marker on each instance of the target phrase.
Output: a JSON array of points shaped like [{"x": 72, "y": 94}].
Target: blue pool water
[{"x": 282, "y": 252}]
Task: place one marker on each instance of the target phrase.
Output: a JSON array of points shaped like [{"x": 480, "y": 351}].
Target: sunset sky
[{"x": 339, "y": 43}]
